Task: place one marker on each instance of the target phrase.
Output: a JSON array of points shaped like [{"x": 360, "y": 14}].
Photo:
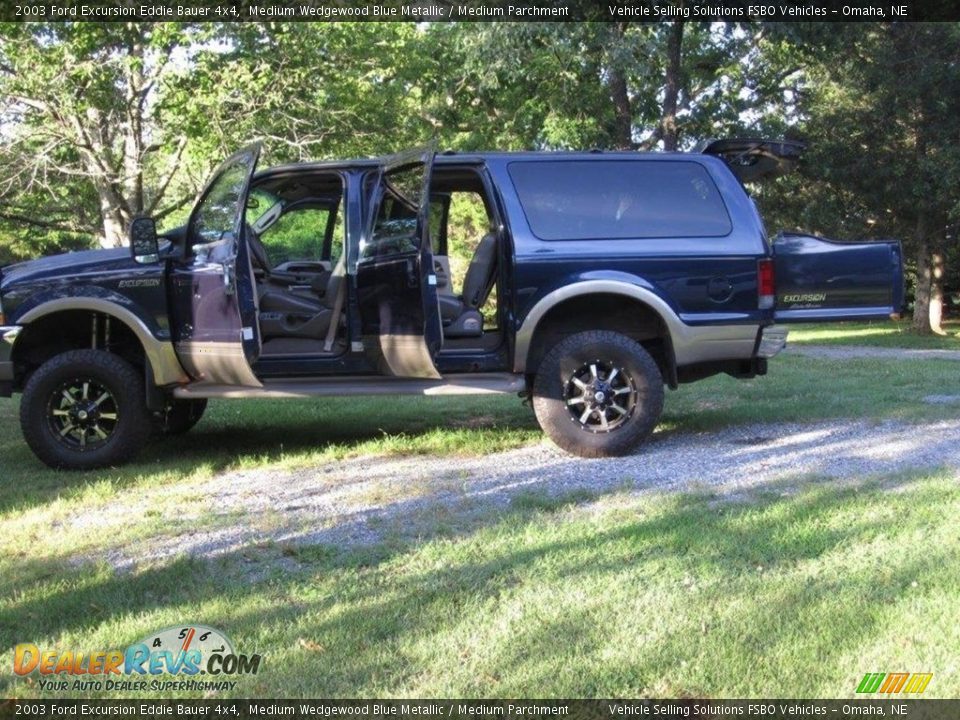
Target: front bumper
[
  {"x": 773, "y": 339},
  {"x": 8, "y": 336}
]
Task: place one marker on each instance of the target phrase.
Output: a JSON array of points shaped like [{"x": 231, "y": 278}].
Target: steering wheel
[{"x": 258, "y": 253}]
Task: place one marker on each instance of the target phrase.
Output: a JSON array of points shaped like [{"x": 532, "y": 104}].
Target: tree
[
  {"x": 880, "y": 104},
  {"x": 84, "y": 105},
  {"x": 311, "y": 90},
  {"x": 619, "y": 85}
]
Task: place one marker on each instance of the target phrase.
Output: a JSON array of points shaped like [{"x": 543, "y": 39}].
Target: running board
[{"x": 474, "y": 384}]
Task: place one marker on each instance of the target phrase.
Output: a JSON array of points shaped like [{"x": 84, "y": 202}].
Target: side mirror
[{"x": 144, "y": 245}]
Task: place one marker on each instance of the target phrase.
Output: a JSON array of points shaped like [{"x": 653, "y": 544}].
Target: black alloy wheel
[
  {"x": 85, "y": 409},
  {"x": 598, "y": 394},
  {"x": 82, "y": 414}
]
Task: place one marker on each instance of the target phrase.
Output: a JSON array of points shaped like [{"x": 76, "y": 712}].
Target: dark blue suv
[{"x": 595, "y": 280}]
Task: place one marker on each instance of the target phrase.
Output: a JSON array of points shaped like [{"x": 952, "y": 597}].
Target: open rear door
[
  {"x": 396, "y": 283},
  {"x": 752, "y": 159},
  {"x": 819, "y": 280},
  {"x": 214, "y": 294}
]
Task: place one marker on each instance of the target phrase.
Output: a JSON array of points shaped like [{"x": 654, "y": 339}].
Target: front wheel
[
  {"x": 598, "y": 394},
  {"x": 85, "y": 409},
  {"x": 179, "y": 416}
]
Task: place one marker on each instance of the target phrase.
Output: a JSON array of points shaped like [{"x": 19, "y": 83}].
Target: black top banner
[
  {"x": 614, "y": 709},
  {"x": 479, "y": 10}
]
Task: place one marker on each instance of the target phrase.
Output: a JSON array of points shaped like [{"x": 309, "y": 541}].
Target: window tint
[
  {"x": 395, "y": 225},
  {"x": 590, "y": 199},
  {"x": 217, "y": 215}
]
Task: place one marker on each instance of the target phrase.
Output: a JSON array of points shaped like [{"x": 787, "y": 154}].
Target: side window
[
  {"x": 297, "y": 235},
  {"x": 597, "y": 200},
  {"x": 436, "y": 222},
  {"x": 337, "y": 240},
  {"x": 394, "y": 228},
  {"x": 216, "y": 217}
]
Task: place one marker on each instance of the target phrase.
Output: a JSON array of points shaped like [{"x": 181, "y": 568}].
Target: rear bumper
[{"x": 773, "y": 339}]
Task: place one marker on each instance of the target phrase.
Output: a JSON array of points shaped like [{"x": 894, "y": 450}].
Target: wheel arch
[
  {"x": 159, "y": 354},
  {"x": 647, "y": 318}
]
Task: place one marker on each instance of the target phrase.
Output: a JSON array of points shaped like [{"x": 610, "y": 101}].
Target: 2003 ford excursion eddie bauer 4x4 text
[{"x": 596, "y": 279}]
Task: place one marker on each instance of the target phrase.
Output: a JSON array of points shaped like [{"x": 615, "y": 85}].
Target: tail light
[{"x": 766, "y": 284}]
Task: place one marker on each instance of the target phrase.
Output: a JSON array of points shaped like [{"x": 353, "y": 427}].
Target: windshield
[{"x": 263, "y": 209}]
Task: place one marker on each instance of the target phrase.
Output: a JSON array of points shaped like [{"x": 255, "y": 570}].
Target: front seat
[
  {"x": 275, "y": 297},
  {"x": 283, "y": 314},
  {"x": 461, "y": 315}
]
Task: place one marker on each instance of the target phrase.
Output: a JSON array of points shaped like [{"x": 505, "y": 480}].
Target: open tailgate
[{"x": 819, "y": 280}]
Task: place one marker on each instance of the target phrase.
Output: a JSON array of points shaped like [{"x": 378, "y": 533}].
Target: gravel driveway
[{"x": 368, "y": 500}]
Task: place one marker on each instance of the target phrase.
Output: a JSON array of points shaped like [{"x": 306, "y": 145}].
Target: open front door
[
  {"x": 396, "y": 284},
  {"x": 214, "y": 294}
]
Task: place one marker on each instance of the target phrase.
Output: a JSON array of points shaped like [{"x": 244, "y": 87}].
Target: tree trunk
[
  {"x": 936, "y": 290},
  {"x": 133, "y": 132},
  {"x": 620, "y": 96},
  {"x": 669, "y": 132},
  {"x": 921, "y": 303},
  {"x": 113, "y": 218}
]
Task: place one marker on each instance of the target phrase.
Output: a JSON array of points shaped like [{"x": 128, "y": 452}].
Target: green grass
[
  {"x": 886, "y": 333},
  {"x": 609, "y": 595},
  {"x": 293, "y": 433},
  {"x": 793, "y": 594}
]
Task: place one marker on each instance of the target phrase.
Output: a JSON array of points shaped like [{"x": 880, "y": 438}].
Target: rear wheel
[
  {"x": 598, "y": 394},
  {"x": 179, "y": 416},
  {"x": 85, "y": 409}
]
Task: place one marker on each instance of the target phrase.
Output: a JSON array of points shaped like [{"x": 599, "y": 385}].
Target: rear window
[{"x": 610, "y": 199}]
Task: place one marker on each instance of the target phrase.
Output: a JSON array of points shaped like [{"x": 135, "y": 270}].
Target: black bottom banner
[{"x": 911, "y": 709}]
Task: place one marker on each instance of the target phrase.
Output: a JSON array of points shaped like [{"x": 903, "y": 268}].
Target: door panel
[
  {"x": 396, "y": 283},
  {"x": 818, "y": 279},
  {"x": 214, "y": 293}
]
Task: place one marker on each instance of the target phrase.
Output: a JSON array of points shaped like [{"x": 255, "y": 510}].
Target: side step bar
[{"x": 475, "y": 384}]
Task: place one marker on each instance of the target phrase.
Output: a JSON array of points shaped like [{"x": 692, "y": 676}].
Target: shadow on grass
[
  {"x": 580, "y": 590},
  {"x": 378, "y": 502},
  {"x": 270, "y": 431},
  {"x": 264, "y": 432}
]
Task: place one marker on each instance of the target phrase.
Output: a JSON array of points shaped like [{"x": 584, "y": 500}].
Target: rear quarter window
[{"x": 619, "y": 199}]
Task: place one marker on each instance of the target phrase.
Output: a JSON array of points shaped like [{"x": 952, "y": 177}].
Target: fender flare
[
  {"x": 691, "y": 344},
  {"x": 160, "y": 354}
]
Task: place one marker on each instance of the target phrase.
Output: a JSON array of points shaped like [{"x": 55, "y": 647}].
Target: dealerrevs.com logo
[{"x": 184, "y": 651}]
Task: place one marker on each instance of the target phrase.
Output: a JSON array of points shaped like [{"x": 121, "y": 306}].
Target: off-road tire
[
  {"x": 179, "y": 416},
  {"x": 107, "y": 373},
  {"x": 637, "y": 382}
]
